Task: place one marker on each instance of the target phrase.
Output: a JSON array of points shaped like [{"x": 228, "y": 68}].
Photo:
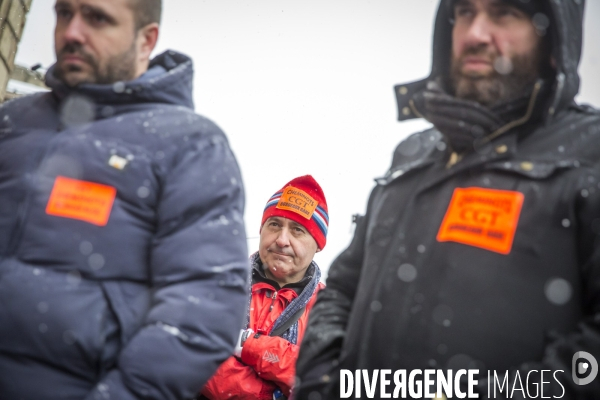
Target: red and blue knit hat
[{"x": 302, "y": 200}]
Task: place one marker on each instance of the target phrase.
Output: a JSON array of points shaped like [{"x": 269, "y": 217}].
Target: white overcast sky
[{"x": 304, "y": 87}]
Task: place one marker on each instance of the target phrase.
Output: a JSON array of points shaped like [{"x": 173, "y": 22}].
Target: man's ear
[{"x": 147, "y": 38}]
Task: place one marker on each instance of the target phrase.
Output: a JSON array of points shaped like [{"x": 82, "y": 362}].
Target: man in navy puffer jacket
[{"x": 123, "y": 259}]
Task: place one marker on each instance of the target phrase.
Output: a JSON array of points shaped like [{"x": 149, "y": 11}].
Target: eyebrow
[
  {"x": 463, "y": 3},
  {"x": 99, "y": 10},
  {"x": 297, "y": 225},
  {"x": 273, "y": 219},
  {"x": 86, "y": 7},
  {"x": 60, "y": 4}
]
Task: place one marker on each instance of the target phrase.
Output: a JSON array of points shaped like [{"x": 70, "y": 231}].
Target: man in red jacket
[{"x": 285, "y": 282}]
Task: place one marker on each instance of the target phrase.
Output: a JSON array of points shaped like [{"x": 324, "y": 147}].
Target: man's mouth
[
  {"x": 72, "y": 58},
  {"x": 279, "y": 254},
  {"x": 74, "y": 55},
  {"x": 476, "y": 64}
]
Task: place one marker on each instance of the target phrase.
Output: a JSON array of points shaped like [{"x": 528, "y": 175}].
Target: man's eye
[
  {"x": 98, "y": 19},
  {"x": 95, "y": 17},
  {"x": 63, "y": 13},
  {"x": 507, "y": 12},
  {"x": 463, "y": 12}
]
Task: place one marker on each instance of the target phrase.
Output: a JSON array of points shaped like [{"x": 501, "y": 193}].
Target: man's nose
[
  {"x": 283, "y": 239},
  {"x": 75, "y": 31},
  {"x": 480, "y": 31}
]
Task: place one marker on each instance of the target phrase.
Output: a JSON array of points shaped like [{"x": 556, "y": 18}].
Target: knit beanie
[
  {"x": 530, "y": 7},
  {"x": 302, "y": 200}
]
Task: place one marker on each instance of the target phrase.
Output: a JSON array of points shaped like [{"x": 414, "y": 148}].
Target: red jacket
[{"x": 267, "y": 362}]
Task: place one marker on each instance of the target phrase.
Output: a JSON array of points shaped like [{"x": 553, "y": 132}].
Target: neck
[
  {"x": 141, "y": 68},
  {"x": 282, "y": 282}
]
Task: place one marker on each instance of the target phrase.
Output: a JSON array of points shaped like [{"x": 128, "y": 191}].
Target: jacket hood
[
  {"x": 169, "y": 80},
  {"x": 567, "y": 39}
]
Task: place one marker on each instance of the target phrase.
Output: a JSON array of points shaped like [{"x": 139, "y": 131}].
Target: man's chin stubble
[
  {"x": 71, "y": 75},
  {"x": 484, "y": 90},
  {"x": 493, "y": 88}
]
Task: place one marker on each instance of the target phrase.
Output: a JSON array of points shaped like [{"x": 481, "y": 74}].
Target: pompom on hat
[{"x": 302, "y": 200}]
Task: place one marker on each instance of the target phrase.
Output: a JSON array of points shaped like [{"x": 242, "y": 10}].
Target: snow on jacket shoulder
[
  {"x": 267, "y": 362},
  {"x": 123, "y": 257}
]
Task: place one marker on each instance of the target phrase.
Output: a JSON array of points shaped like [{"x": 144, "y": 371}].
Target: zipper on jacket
[
  {"x": 272, "y": 301},
  {"x": 520, "y": 121},
  {"x": 273, "y": 297}
]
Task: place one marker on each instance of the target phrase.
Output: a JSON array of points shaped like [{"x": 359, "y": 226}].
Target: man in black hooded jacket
[{"x": 480, "y": 247}]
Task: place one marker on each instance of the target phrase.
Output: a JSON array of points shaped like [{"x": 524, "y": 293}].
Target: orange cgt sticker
[
  {"x": 298, "y": 201},
  {"x": 86, "y": 201},
  {"x": 485, "y": 218}
]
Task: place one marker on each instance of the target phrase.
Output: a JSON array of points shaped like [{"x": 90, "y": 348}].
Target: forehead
[{"x": 114, "y": 7}]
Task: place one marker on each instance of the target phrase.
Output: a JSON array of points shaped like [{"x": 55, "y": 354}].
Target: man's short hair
[{"x": 146, "y": 12}]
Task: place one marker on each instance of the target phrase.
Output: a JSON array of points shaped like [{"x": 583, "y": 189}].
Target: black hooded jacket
[{"x": 488, "y": 261}]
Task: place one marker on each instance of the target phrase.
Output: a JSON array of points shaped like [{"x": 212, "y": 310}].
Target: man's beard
[
  {"x": 120, "y": 67},
  {"x": 494, "y": 88}
]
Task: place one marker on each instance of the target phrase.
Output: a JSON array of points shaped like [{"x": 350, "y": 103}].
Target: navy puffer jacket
[{"x": 123, "y": 259}]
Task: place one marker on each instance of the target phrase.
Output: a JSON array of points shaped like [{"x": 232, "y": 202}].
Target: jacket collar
[
  {"x": 258, "y": 275},
  {"x": 168, "y": 80}
]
